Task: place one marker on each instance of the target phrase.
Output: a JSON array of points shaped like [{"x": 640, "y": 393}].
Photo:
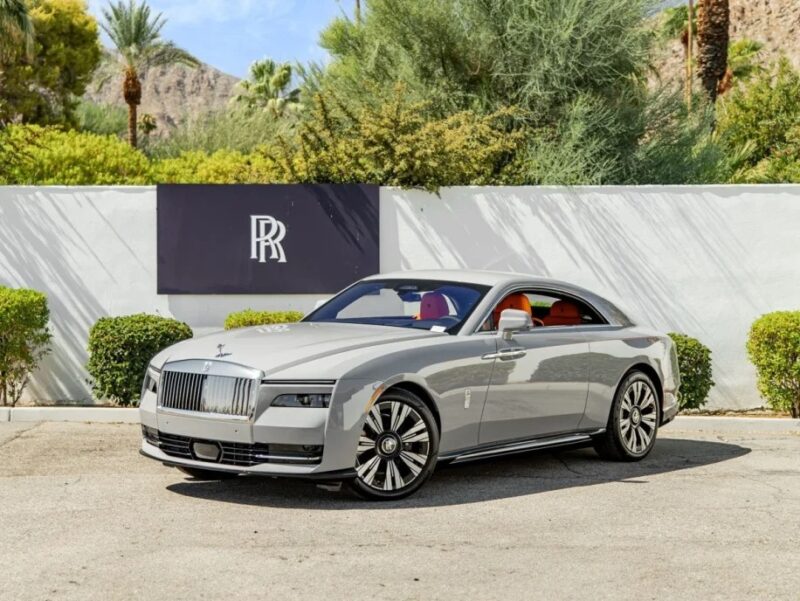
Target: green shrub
[
  {"x": 23, "y": 339},
  {"x": 221, "y": 167},
  {"x": 774, "y": 348},
  {"x": 72, "y": 158},
  {"x": 694, "y": 362},
  {"x": 120, "y": 349},
  {"x": 248, "y": 317},
  {"x": 760, "y": 117}
]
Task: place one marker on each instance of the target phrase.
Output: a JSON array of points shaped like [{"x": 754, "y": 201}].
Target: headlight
[
  {"x": 317, "y": 401},
  {"x": 151, "y": 377}
]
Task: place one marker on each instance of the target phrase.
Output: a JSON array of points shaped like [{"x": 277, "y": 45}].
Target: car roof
[
  {"x": 468, "y": 276},
  {"x": 503, "y": 279}
]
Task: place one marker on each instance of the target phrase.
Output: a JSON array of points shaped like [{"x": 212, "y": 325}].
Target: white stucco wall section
[
  {"x": 92, "y": 250},
  {"x": 705, "y": 261},
  {"x": 702, "y": 260}
]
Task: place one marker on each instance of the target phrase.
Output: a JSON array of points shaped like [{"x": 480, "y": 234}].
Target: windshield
[{"x": 422, "y": 304}]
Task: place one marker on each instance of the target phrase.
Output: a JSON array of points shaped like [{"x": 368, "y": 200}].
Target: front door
[{"x": 539, "y": 385}]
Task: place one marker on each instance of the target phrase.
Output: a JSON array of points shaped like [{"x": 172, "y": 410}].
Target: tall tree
[
  {"x": 15, "y": 23},
  {"x": 136, "y": 34},
  {"x": 267, "y": 88},
  {"x": 67, "y": 51},
  {"x": 713, "y": 37}
]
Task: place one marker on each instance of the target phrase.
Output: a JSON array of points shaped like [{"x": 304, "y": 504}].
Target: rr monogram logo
[{"x": 266, "y": 232}]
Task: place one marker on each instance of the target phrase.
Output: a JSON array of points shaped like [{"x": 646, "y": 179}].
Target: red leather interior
[
  {"x": 513, "y": 301},
  {"x": 563, "y": 313},
  {"x": 433, "y": 306}
]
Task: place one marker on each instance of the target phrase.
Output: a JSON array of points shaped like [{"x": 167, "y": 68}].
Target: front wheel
[
  {"x": 397, "y": 448},
  {"x": 633, "y": 423}
]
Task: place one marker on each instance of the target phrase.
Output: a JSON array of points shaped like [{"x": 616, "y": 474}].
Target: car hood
[{"x": 277, "y": 348}]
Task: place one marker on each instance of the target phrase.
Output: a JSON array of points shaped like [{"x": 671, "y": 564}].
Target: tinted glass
[{"x": 421, "y": 304}]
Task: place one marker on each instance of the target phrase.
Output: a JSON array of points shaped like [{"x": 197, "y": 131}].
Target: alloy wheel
[
  {"x": 394, "y": 447},
  {"x": 638, "y": 417}
]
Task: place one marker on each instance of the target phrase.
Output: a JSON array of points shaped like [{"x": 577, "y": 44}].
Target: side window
[{"x": 548, "y": 309}]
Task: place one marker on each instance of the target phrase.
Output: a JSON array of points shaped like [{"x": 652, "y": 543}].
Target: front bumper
[
  {"x": 670, "y": 409},
  {"x": 275, "y": 441},
  {"x": 267, "y": 470}
]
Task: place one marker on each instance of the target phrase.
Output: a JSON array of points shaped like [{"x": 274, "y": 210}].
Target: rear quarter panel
[{"x": 614, "y": 351}]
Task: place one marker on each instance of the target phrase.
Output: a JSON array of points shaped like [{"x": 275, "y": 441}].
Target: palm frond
[{"x": 136, "y": 34}]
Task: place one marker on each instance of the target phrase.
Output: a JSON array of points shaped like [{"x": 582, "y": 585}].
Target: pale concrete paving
[{"x": 709, "y": 515}]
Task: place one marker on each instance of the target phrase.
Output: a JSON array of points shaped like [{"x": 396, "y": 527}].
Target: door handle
[{"x": 507, "y": 354}]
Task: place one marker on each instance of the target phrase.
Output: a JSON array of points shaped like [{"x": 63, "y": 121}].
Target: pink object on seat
[{"x": 433, "y": 306}]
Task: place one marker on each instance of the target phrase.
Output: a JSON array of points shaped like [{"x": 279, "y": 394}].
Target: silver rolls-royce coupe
[{"x": 404, "y": 370}]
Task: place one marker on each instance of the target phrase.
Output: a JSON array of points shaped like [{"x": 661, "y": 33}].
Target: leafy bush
[
  {"x": 233, "y": 130},
  {"x": 102, "y": 119},
  {"x": 774, "y": 348},
  {"x": 694, "y": 362},
  {"x": 23, "y": 339},
  {"x": 120, "y": 349},
  {"x": 397, "y": 143},
  {"x": 762, "y": 116},
  {"x": 248, "y": 317},
  {"x": 75, "y": 159},
  {"x": 221, "y": 167}
]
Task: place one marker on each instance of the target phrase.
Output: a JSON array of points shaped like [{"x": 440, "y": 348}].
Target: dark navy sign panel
[{"x": 266, "y": 239}]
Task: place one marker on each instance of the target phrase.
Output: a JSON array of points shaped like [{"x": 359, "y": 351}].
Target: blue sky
[{"x": 231, "y": 34}]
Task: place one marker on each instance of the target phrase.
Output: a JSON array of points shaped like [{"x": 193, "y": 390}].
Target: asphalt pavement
[{"x": 713, "y": 513}]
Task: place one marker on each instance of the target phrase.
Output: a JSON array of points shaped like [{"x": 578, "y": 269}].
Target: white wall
[
  {"x": 92, "y": 250},
  {"x": 705, "y": 261}
]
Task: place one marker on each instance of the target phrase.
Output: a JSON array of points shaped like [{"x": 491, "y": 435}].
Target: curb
[
  {"x": 720, "y": 423},
  {"x": 107, "y": 415}
]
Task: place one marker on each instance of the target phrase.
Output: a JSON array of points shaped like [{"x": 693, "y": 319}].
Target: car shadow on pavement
[{"x": 499, "y": 478}]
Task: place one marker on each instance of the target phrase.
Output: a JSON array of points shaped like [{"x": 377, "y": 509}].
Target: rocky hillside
[
  {"x": 774, "y": 23},
  {"x": 170, "y": 94}
]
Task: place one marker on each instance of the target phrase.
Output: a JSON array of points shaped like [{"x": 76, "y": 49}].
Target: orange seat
[
  {"x": 433, "y": 306},
  {"x": 563, "y": 313},
  {"x": 513, "y": 301}
]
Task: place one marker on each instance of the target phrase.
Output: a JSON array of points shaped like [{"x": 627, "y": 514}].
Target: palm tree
[
  {"x": 267, "y": 88},
  {"x": 713, "y": 37},
  {"x": 15, "y": 22},
  {"x": 136, "y": 34}
]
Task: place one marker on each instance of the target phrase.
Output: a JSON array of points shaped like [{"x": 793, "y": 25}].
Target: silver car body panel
[{"x": 486, "y": 393}]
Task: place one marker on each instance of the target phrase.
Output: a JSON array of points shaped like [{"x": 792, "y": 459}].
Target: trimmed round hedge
[
  {"x": 248, "y": 317},
  {"x": 120, "y": 349},
  {"x": 774, "y": 348},
  {"x": 694, "y": 362}
]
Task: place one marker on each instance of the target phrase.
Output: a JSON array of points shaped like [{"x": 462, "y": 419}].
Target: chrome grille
[{"x": 203, "y": 393}]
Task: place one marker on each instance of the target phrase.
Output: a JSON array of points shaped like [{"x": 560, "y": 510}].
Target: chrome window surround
[{"x": 543, "y": 289}]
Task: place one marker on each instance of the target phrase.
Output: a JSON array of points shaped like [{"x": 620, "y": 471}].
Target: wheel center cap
[
  {"x": 636, "y": 416},
  {"x": 388, "y": 445}
]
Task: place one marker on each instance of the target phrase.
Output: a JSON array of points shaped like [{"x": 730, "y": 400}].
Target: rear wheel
[
  {"x": 200, "y": 474},
  {"x": 397, "y": 449},
  {"x": 633, "y": 423}
]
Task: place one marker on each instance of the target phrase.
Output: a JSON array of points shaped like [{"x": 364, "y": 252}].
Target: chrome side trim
[{"x": 529, "y": 445}]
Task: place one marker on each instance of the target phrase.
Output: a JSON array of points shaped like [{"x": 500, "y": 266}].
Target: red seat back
[{"x": 563, "y": 313}]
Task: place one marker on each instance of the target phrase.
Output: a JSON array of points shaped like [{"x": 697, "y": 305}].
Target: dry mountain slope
[
  {"x": 170, "y": 94},
  {"x": 774, "y": 23}
]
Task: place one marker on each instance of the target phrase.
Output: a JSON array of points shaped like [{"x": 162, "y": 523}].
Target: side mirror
[{"x": 513, "y": 320}]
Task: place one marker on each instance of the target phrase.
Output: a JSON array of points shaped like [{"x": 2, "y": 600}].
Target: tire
[
  {"x": 200, "y": 474},
  {"x": 397, "y": 449},
  {"x": 633, "y": 423}
]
